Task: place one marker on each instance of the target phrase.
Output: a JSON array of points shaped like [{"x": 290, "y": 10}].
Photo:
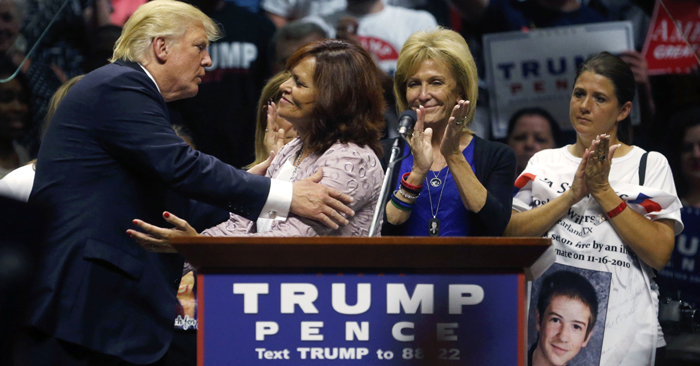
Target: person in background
[
  {"x": 18, "y": 183},
  {"x": 685, "y": 161},
  {"x": 290, "y": 38},
  {"x": 67, "y": 40},
  {"x": 14, "y": 121},
  {"x": 531, "y": 130},
  {"x": 283, "y": 11},
  {"x": 110, "y": 155},
  {"x": 381, "y": 29},
  {"x": 495, "y": 16},
  {"x": 333, "y": 98},
  {"x": 222, "y": 114},
  {"x": 601, "y": 189},
  {"x": 678, "y": 280},
  {"x": 269, "y": 123},
  {"x": 41, "y": 80},
  {"x": 452, "y": 183}
]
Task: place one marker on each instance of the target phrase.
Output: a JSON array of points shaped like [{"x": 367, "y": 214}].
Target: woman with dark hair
[
  {"x": 333, "y": 99},
  {"x": 531, "y": 130},
  {"x": 607, "y": 205},
  {"x": 451, "y": 183}
]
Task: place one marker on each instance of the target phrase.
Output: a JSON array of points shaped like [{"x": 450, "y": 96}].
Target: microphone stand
[{"x": 383, "y": 193}]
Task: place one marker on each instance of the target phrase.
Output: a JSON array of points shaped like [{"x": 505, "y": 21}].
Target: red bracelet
[
  {"x": 616, "y": 211},
  {"x": 408, "y": 185}
]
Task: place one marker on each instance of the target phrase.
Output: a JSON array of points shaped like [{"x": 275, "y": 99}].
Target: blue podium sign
[{"x": 355, "y": 319}]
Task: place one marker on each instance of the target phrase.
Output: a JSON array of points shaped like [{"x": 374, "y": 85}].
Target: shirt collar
[{"x": 151, "y": 77}]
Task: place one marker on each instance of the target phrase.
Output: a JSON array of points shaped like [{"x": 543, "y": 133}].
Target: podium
[{"x": 363, "y": 301}]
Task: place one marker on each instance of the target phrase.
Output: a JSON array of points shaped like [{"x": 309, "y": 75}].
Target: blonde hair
[
  {"x": 271, "y": 91},
  {"x": 441, "y": 45},
  {"x": 167, "y": 18}
]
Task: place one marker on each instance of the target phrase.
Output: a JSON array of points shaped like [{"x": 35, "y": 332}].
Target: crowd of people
[{"x": 305, "y": 95}]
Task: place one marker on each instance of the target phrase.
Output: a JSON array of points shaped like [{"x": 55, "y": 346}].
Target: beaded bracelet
[
  {"x": 410, "y": 188},
  {"x": 401, "y": 205},
  {"x": 617, "y": 210},
  {"x": 410, "y": 191},
  {"x": 406, "y": 195}
]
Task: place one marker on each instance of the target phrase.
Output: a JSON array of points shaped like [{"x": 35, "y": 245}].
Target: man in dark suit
[{"x": 110, "y": 156}]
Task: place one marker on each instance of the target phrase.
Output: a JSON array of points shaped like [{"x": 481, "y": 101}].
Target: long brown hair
[{"x": 350, "y": 101}]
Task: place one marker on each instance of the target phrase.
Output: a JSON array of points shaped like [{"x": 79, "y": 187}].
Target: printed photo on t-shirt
[{"x": 566, "y": 321}]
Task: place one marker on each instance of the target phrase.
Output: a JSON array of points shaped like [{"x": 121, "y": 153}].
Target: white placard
[{"x": 537, "y": 68}]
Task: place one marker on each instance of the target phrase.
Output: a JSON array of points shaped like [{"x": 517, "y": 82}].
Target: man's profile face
[
  {"x": 187, "y": 58},
  {"x": 562, "y": 331}
]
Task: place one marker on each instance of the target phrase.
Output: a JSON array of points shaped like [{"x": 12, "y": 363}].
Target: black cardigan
[{"x": 495, "y": 166}]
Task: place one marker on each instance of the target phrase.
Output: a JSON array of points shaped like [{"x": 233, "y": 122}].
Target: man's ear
[
  {"x": 160, "y": 49},
  {"x": 537, "y": 320}
]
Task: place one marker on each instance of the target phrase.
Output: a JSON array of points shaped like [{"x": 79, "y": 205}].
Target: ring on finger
[{"x": 602, "y": 157}]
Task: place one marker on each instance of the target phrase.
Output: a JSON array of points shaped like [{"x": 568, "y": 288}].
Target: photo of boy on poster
[{"x": 567, "y": 316}]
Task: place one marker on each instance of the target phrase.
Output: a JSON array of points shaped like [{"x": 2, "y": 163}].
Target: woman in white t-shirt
[{"x": 609, "y": 208}]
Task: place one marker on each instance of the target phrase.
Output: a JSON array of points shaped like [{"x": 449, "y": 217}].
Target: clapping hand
[
  {"x": 420, "y": 145},
  {"x": 453, "y": 132},
  {"x": 274, "y": 135},
  {"x": 598, "y": 164}
]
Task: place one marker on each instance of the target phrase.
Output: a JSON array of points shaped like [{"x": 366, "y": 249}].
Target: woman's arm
[
  {"x": 420, "y": 144},
  {"x": 348, "y": 169},
  {"x": 471, "y": 191},
  {"x": 493, "y": 204},
  {"x": 652, "y": 241},
  {"x": 498, "y": 177},
  {"x": 537, "y": 221},
  {"x": 335, "y": 175}
]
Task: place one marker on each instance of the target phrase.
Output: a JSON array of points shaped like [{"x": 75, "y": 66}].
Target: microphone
[{"x": 407, "y": 120}]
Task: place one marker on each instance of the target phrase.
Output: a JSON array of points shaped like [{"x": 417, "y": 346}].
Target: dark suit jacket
[
  {"x": 110, "y": 156},
  {"x": 495, "y": 166}
]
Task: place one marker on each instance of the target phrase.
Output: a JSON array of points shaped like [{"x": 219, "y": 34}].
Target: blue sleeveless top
[{"x": 454, "y": 217}]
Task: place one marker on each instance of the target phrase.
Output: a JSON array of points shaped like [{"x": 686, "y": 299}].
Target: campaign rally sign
[
  {"x": 682, "y": 273},
  {"x": 356, "y": 319},
  {"x": 537, "y": 68},
  {"x": 673, "y": 40}
]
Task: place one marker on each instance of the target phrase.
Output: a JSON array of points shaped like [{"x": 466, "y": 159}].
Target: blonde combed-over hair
[
  {"x": 167, "y": 18},
  {"x": 444, "y": 46}
]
